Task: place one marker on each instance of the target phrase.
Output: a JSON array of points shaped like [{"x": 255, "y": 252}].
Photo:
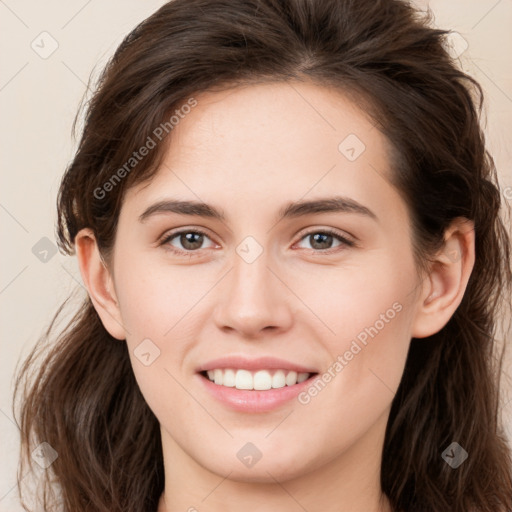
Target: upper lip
[{"x": 259, "y": 363}]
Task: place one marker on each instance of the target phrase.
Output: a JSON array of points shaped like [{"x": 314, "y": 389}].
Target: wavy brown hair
[{"x": 79, "y": 393}]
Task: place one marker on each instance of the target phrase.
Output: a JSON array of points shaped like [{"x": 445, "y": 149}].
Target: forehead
[
  {"x": 288, "y": 120},
  {"x": 258, "y": 144}
]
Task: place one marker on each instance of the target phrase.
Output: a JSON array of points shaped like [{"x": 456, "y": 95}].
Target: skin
[{"x": 249, "y": 151}]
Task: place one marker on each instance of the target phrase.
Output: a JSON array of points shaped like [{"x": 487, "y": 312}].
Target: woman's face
[{"x": 265, "y": 289}]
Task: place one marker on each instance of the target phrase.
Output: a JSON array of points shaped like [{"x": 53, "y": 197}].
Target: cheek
[
  {"x": 156, "y": 313},
  {"x": 368, "y": 311},
  {"x": 366, "y": 363},
  {"x": 156, "y": 298},
  {"x": 162, "y": 309},
  {"x": 367, "y": 291}
]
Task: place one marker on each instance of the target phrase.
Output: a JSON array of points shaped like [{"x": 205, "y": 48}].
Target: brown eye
[
  {"x": 185, "y": 241},
  {"x": 191, "y": 241},
  {"x": 322, "y": 240}
]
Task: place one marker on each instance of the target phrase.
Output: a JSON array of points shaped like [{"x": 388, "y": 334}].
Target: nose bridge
[
  {"x": 250, "y": 273},
  {"x": 251, "y": 278},
  {"x": 254, "y": 299}
]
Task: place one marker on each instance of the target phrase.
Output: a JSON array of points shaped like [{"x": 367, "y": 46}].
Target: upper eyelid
[
  {"x": 333, "y": 231},
  {"x": 167, "y": 236}
]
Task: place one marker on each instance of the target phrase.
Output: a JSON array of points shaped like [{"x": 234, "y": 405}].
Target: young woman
[{"x": 288, "y": 227}]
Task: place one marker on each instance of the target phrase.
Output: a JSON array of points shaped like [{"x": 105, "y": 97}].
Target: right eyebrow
[{"x": 182, "y": 208}]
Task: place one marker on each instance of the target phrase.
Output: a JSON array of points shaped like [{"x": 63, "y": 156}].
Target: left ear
[{"x": 446, "y": 283}]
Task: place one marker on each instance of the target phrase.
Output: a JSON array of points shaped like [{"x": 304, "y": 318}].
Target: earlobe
[
  {"x": 444, "y": 287},
  {"x": 99, "y": 283}
]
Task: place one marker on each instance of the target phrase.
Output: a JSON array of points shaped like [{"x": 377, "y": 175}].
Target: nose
[{"x": 254, "y": 299}]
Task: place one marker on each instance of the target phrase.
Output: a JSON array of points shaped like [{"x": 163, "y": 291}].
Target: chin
[{"x": 274, "y": 464}]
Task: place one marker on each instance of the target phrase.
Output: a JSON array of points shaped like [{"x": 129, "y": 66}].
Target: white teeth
[
  {"x": 279, "y": 379},
  {"x": 217, "y": 376},
  {"x": 243, "y": 379},
  {"x": 229, "y": 379},
  {"x": 291, "y": 378},
  {"x": 259, "y": 380},
  {"x": 262, "y": 380}
]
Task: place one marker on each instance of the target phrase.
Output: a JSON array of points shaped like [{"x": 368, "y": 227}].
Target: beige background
[{"x": 38, "y": 100}]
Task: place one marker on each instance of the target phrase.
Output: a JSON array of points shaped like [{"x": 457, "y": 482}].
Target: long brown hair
[{"x": 79, "y": 394}]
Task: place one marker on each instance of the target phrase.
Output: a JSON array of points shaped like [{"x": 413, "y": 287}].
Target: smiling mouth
[{"x": 260, "y": 380}]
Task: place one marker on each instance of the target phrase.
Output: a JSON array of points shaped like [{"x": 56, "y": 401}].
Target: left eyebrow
[
  {"x": 295, "y": 209},
  {"x": 335, "y": 204}
]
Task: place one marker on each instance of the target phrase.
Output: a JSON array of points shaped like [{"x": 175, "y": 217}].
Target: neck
[{"x": 269, "y": 497}]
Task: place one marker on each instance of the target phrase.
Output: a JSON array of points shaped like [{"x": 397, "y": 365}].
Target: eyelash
[{"x": 191, "y": 254}]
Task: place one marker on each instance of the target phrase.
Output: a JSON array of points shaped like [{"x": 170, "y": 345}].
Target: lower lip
[{"x": 245, "y": 400}]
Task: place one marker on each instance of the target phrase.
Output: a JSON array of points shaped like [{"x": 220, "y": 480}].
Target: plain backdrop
[{"x": 49, "y": 50}]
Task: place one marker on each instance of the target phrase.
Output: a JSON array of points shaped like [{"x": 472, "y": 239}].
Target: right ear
[{"x": 99, "y": 283}]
